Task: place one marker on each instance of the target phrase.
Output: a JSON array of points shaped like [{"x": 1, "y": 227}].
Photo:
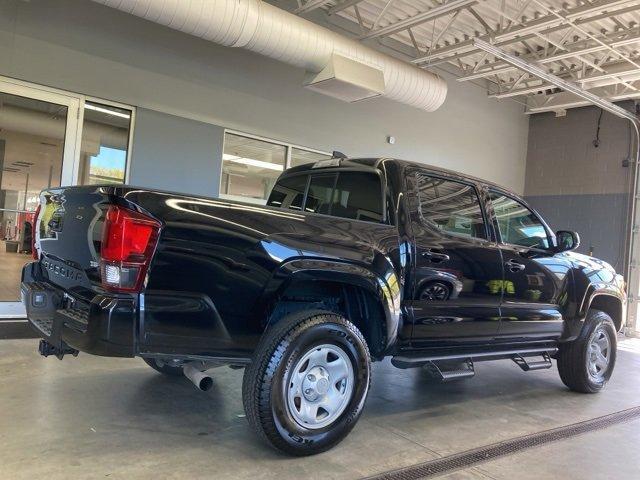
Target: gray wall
[
  {"x": 189, "y": 149},
  {"x": 84, "y": 47},
  {"x": 577, "y": 186}
]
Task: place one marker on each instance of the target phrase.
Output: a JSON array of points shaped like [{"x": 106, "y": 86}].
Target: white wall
[{"x": 84, "y": 47}]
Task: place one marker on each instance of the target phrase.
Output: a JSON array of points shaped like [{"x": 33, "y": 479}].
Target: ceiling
[{"x": 594, "y": 43}]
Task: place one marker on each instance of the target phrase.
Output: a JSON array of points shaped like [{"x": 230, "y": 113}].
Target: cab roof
[{"x": 371, "y": 164}]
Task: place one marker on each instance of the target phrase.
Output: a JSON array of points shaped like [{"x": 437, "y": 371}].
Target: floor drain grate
[{"x": 486, "y": 453}]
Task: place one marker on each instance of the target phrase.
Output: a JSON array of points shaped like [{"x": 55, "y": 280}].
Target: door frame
[
  {"x": 415, "y": 212},
  {"x": 71, "y": 150},
  {"x": 71, "y": 160},
  {"x": 72, "y": 137}
]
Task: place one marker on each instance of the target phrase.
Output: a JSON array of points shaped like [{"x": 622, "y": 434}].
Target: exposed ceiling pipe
[{"x": 270, "y": 31}]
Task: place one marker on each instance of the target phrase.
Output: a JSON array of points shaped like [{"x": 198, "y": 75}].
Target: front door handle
[
  {"x": 514, "y": 266},
  {"x": 435, "y": 257}
]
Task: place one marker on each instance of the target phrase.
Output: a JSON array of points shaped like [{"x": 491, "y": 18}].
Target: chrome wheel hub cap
[
  {"x": 598, "y": 355},
  {"x": 320, "y": 387}
]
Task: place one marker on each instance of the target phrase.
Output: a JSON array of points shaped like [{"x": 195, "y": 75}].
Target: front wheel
[
  {"x": 586, "y": 364},
  {"x": 308, "y": 382}
]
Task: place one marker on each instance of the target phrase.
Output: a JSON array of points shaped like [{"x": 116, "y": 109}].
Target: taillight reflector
[{"x": 128, "y": 241}]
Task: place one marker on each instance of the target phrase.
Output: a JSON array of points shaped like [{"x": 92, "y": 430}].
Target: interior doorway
[{"x": 38, "y": 143}]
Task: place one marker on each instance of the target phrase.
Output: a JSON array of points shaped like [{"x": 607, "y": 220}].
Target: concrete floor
[{"x": 91, "y": 417}]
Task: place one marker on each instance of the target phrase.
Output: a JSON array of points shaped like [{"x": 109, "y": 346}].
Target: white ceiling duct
[{"x": 275, "y": 33}]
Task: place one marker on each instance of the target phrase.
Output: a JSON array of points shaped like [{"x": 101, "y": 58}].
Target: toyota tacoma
[{"x": 349, "y": 262}]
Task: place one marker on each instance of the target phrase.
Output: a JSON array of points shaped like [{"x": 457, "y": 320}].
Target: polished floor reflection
[
  {"x": 92, "y": 417},
  {"x": 11, "y": 264}
]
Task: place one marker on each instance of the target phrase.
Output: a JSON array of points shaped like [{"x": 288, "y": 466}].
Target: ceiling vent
[
  {"x": 267, "y": 30},
  {"x": 347, "y": 80}
]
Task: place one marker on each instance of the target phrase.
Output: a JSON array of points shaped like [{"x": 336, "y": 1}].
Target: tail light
[
  {"x": 128, "y": 241},
  {"x": 34, "y": 229}
]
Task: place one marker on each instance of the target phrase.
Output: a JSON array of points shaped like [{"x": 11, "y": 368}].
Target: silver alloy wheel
[
  {"x": 320, "y": 387},
  {"x": 598, "y": 354}
]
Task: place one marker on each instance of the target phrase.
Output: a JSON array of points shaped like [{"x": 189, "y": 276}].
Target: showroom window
[
  {"x": 300, "y": 156},
  {"x": 105, "y": 144},
  {"x": 251, "y": 165}
]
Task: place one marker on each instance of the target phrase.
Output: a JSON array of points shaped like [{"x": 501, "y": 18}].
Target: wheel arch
[
  {"x": 367, "y": 299},
  {"x": 609, "y": 304}
]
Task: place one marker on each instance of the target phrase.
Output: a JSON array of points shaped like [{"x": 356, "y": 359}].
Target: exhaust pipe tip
[
  {"x": 205, "y": 384},
  {"x": 200, "y": 379}
]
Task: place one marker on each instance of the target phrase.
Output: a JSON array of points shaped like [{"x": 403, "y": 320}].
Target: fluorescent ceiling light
[
  {"x": 90, "y": 106},
  {"x": 253, "y": 163}
]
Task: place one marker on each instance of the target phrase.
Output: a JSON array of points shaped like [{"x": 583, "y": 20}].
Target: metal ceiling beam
[
  {"x": 565, "y": 85},
  {"x": 564, "y": 101},
  {"x": 566, "y": 19},
  {"x": 546, "y": 24},
  {"x": 343, "y": 6},
  {"x": 470, "y": 50},
  {"x": 588, "y": 82},
  {"x": 553, "y": 58},
  {"x": 435, "y": 12},
  {"x": 480, "y": 20},
  {"x": 310, "y": 6}
]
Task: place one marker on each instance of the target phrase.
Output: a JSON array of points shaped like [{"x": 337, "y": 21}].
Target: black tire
[
  {"x": 573, "y": 356},
  {"x": 160, "y": 366},
  {"x": 265, "y": 381}
]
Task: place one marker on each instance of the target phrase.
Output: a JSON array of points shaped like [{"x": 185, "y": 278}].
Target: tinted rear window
[
  {"x": 451, "y": 206},
  {"x": 320, "y": 194},
  {"x": 354, "y": 195},
  {"x": 358, "y": 196},
  {"x": 289, "y": 193}
]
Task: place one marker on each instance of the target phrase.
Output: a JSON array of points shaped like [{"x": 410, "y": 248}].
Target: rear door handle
[
  {"x": 514, "y": 266},
  {"x": 435, "y": 257}
]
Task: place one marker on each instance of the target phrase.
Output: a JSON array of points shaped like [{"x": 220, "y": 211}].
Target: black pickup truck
[{"x": 351, "y": 261}]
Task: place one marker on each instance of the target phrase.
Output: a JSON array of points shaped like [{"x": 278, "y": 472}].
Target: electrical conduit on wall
[{"x": 270, "y": 31}]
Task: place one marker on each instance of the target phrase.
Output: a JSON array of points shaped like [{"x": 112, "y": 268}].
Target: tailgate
[{"x": 68, "y": 236}]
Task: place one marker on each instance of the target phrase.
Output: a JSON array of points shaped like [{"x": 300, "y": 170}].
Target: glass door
[{"x": 38, "y": 143}]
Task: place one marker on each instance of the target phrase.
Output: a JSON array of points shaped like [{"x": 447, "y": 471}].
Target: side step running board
[
  {"x": 444, "y": 375},
  {"x": 417, "y": 360},
  {"x": 536, "y": 365}
]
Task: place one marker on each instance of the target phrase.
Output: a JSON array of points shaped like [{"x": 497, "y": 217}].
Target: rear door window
[{"x": 451, "y": 206}]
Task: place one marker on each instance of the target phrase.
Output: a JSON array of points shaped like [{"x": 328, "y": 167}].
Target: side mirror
[{"x": 567, "y": 240}]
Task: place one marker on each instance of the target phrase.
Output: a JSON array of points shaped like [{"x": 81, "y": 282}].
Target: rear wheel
[
  {"x": 165, "y": 366},
  {"x": 586, "y": 364},
  {"x": 308, "y": 382}
]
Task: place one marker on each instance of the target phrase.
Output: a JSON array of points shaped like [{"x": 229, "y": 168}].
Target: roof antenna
[{"x": 337, "y": 154}]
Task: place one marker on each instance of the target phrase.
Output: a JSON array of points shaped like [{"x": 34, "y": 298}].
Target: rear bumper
[{"x": 105, "y": 325}]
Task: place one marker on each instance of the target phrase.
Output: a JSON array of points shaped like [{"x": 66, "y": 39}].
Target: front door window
[{"x": 517, "y": 224}]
